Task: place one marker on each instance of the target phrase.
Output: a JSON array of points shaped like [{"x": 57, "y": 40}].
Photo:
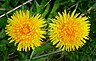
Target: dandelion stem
[
  {"x": 5, "y": 57},
  {"x": 46, "y": 54},
  {"x": 15, "y": 8},
  {"x": 32, "y": 55}
]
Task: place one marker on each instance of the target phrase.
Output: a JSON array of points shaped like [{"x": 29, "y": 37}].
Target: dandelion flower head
[
  {"x": 25, "y": 30},
  {"x": 69, "y": 32}
]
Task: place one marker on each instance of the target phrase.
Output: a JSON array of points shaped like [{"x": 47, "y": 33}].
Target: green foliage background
[{"x": 48, "y": 9}]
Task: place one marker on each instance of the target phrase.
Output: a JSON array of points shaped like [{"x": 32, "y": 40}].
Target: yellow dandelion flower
[
  {"x": 69, "y": 32},
  {"x": 25, "y": 30}
]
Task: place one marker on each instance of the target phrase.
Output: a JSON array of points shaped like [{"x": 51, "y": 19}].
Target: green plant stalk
[
  {"x": 5, "y": 57},
  {"x": 46, "y": 54},
  {"x": 15, "y": 8},
  {"x": 31, "y": 55},
  {"x": 55, "y": 7}
]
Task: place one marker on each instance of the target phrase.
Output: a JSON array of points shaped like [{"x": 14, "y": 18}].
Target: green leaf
[
  {"x": 2, "y": 33},
  {"x": 42, "y": 48},
  {"x": 43, "y": 2},
  {"x": 3, "y": 42},
  {"x": 55, "y": 7},
  {"x": 40, "y": 59},
  {"x": 38, "y": 7},
  {"x": 3, "y": 45},
  {"x": 46, "y": 10},
  {"x": 22, "y": 55},
  {"x": 14, "y": 2},
  {"x": 3, "y": 22},
  {"x": 94, "y": 6},
  {"x": 93, "y": 25},
  {"x": 72, "y": 1}
]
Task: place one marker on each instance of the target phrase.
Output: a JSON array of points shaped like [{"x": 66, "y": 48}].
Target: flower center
[
  {"x": 25, "y": 30},
  {"x": 70, "y": 31},
  {"x": 67, "y": 30}
]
